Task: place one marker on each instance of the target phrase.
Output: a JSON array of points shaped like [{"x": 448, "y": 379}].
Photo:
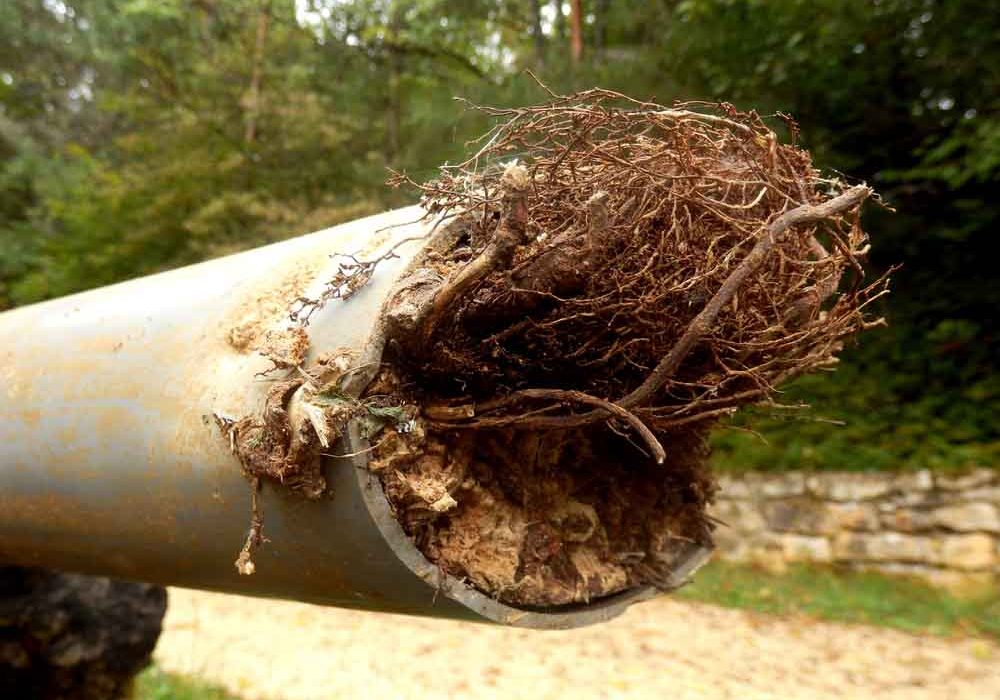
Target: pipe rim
[{"x": 485, "y": 607}]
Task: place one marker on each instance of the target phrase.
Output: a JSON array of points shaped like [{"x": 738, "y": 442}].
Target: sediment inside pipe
[{"x": 541, "y": 519}]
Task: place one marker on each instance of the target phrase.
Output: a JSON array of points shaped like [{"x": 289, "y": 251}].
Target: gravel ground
[{"x": 664, "y": 648}]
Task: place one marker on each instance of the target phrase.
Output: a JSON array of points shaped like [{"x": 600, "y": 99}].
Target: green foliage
[
  {"x": 897, "y": 93},
  {"x": 154, "y": 684},
  {"x": 865, "y": 598},
  {"x": 887, "y": 407},
  {"x": 137, "y": 135}
]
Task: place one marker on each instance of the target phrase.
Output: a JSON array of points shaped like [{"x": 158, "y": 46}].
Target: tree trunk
[
  {"x": 256, "y": 73},
  {"x": 536, "y": 31},
  {"x": 394, "y": 107},
  {"x": 560, "y": 20},
  {"x": 576, "y": 29},
  {"x": 601, "y": 27}
]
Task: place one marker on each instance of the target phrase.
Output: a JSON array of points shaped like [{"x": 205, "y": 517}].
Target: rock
[
  {"x": 849, "y": 487},
  {"x": 989, "y": 494},
  {"x": 771, "y": 562},
  {"x": 783, "y": 485},
  {"x": 966, "y": 583},
  {"x": 922, "y": 498},
  {"x": 898, "y": 523},
  {"x": 768, "y": 552},
  {"x": 968, "y": 480},
  {"x": 740, "y": 516},
  {"x": 852, "y": 516},
  {"x": 968, "y": 517},
  {"x": 960, "y": 582},
  {"x": 740, "y": 549},
  {"x": 731, "y": 545},
  {"x": 732, "y": 487},
  {"x": 798, "y": 515},
  {"x": 806, "y": 548},
  {"x": 895, "y": 568},
  {"x": 763, "y": 549},
  {"x": 914, "y": 482},
  {"x": 906, "y": 519},
  {"x": 885, "y": 546},
  {"x": 762, "y": 485},
  {"x": 968, "y": 552},
  {"x": 813, "y": 517}
]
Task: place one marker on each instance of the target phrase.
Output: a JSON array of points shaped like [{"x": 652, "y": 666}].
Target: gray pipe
[{"x": 111, "y": 462}]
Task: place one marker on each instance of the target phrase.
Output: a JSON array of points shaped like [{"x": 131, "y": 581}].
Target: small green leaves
[{"x": 378, "y": 417}]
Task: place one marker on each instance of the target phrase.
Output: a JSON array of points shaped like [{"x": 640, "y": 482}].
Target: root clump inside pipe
[{"x": 606, "y": 280}]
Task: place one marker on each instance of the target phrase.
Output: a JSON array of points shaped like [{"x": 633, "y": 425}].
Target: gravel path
[{"x": 661, "y": 649}]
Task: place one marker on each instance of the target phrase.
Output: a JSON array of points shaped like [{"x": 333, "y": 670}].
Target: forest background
[{"x": 139, "y": 135}]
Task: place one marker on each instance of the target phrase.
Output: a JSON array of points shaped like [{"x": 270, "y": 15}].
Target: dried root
[
  {"x": 615, "y": 277},
  {"x": 635, "y": 274},
  {"x": 673, "y": 264}
]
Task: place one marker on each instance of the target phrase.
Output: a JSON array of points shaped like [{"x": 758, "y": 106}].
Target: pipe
[{"x": 111, "y": 462}]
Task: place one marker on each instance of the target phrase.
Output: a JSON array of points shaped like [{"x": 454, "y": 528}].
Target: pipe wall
[{"x": 111, "y": 462}]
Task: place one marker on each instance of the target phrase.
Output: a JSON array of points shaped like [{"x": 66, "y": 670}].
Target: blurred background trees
[{"x": 137, "y": 135}]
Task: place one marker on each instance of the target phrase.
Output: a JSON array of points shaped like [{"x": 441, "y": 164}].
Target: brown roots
[
  {"x": 675, "y": 263},
  {"x": 587, "y": 314},
  {"x": 635, "y": 274}
]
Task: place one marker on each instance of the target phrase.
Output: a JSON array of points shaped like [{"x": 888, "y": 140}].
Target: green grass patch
[
  {"x": 827, "y": 594},
  {"x": 154, "y": 684}
]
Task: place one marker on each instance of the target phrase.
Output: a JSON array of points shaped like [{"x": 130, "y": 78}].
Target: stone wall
[{"x": 942, "y": 528}]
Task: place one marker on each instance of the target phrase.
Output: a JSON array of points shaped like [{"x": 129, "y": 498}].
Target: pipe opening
[{"x": 545, "y": 519}]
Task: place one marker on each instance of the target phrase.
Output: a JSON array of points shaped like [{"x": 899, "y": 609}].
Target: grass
[
  {"x": 865, "y": 598},
  {"x": 154, "y": 684}
]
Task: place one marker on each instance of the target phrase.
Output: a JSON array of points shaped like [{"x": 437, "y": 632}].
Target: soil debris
[
  {"x": 303, "y": 418},
  {"x": 269, "y": 306},
  {"x": 278, "y": 448},
  {"x": 542, "y": 519},
  {"x": 286, "y": 349}
]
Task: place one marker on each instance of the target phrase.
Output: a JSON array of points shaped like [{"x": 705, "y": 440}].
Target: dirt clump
[
  {"x": 252, "y": 319},
  {"x": 542, "y": 519}
]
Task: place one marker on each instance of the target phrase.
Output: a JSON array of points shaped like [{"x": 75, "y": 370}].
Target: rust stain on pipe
[{"x": 31, "y": 417}]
